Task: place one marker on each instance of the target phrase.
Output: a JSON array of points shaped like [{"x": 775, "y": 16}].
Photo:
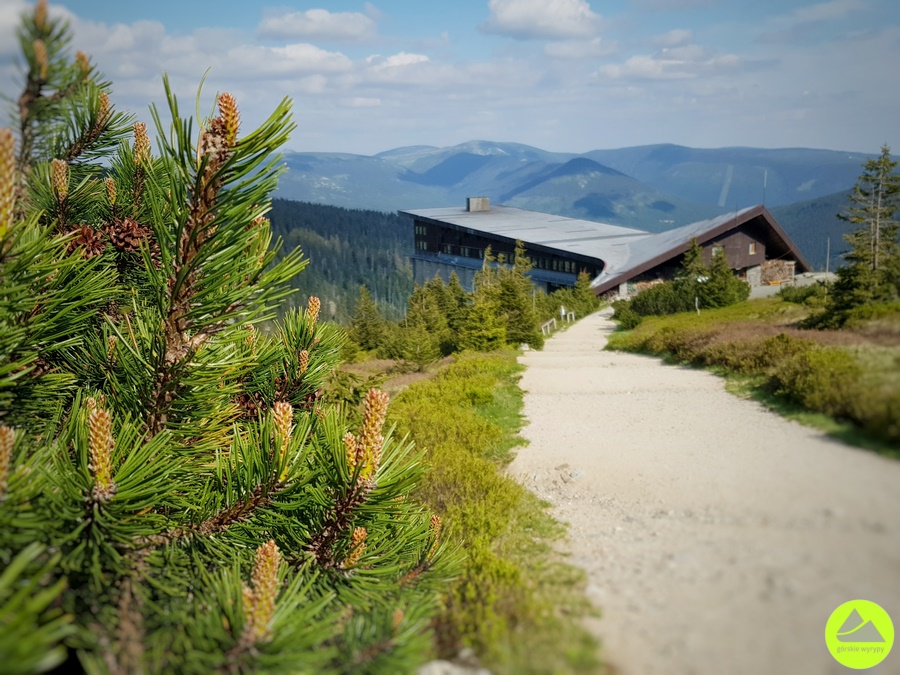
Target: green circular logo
[{"x": 859, "y": 634}]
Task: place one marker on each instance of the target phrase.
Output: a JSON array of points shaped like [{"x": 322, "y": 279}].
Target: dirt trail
[{"x": 717, "y": 536}]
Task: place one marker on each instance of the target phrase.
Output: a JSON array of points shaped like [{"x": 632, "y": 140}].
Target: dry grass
[{"x": 397, "y": 375}]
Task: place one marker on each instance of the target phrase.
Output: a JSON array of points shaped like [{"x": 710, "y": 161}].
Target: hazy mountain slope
[
  {"x": 582, "y": 188},
  {"x": 810, "y": 224},
  {"x": 737, "y": 177},
  {"x": 354, "y": 181}
]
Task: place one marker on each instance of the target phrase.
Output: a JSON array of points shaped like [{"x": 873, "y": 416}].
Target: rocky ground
[{"x": 717, "y": 536}]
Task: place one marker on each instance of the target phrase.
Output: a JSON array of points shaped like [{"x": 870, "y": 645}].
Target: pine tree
[
  {"x": 585, "y": 301},
  {"x": 458, "y": 304},
  {"x": 484, "y": 328},
  {"x": 366, "y": 325},
  {"x": 173, "y": 495},
  {"x": 425, "y": 333},
  {"x": 870, "y": 274},
  {"x": 722, "y": 288},
  {"x": 516, "y": 303}
]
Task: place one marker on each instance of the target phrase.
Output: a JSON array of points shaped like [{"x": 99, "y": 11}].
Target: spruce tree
[
  {"x": 515, "y": 296},
  {"x": 425, "y": 334},
  {"x": 585, "y": 301},
  {"x": 367, "y": 324},
  {"x": 722, "y": 288},
  {"x": 173, "y": 495},
  {"x": 458, "y": 304},
  {"x": 873, "y": 261},
  {"x": 484, "y": 328}
]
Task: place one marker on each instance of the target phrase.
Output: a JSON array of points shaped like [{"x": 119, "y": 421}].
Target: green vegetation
[
  {"x": 443, "y": 319},
  {"x": 697, "y": 285},
  {"x": 851, "y": 375},
  {"x": 871, "y": 273},
  {"x": 346, "y": 248},
  {"x": 514, "y": 602},
  {"x": 173, "y": 495}
]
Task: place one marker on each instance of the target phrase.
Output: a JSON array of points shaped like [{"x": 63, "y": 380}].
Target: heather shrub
[
  {"x": 813, "y": 295},
  {"x": 665, "y": 298},
  {"x": 625, "y": 315},
  {"x": 825, "y": 379}
]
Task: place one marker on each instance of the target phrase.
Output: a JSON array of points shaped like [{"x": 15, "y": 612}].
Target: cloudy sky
[{"x": 564, "y": 75}]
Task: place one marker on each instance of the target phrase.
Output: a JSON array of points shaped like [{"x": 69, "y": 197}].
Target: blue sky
[{"x": 564, "y": 75}]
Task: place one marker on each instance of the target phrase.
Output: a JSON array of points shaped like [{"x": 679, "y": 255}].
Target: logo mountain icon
[{"x": 856, "y": 629}]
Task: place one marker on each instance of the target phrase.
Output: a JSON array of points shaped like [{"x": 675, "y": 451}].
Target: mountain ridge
[{"x": 650, "y": 187}]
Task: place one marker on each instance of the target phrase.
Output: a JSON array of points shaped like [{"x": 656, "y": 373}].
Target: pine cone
[
  {"x": 127, "y": 235},
  {"x": 250, "y": 405},
  {"x": 89, "y": 240}
]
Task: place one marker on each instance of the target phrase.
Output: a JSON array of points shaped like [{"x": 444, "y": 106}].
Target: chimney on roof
[{"x": 474, "y": 204}]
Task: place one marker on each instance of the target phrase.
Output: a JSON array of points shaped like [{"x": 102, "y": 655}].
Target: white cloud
[
  {"x": 362, "y": 102},
  {"x": 674, "y": 38},
  {"x": 672, "y": 5},
  {"x": 580, "y": 49},
  {"x": 677, "y": 63},
  {"x": 293, "y": 59},
  {"x": 10, "y": 13},
  {"x": 318, "y": 24},
  {"x": 530, "y": 19},
  {"x": 400, "y": 60}
]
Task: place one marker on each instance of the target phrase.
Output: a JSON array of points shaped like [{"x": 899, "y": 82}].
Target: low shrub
[
  {"x": 825, "y": 379},
  {"x": 756, "y": 357},
  {"x": 626, "y": 316},
  {"x": 665, "y": 298},
  {"x": 813, "y": 295}
]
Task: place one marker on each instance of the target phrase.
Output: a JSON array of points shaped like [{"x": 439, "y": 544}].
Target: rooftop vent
[{"x": 474, "y": 204}]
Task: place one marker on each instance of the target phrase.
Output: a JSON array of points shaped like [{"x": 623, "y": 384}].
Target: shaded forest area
[{"x": 346, "y": 248}]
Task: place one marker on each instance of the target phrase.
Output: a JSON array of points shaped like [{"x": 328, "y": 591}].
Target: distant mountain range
[{"x": 654, "y": 188}]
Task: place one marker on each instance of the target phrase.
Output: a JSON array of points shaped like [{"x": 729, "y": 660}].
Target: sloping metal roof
[
  {"x": 585, "y": 237},
  {"x": 625, "y": 252},
  {"x": 645, "y": 254}
]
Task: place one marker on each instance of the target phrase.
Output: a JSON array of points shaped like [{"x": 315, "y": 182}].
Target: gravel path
[{"x": 717, "y": 536}]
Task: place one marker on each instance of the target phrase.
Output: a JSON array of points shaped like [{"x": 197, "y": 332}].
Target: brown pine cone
[
  {"x": 89, "y": 240},
  {"x": 127, "y": 234}
]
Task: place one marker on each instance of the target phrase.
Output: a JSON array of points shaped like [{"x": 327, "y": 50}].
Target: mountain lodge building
[{"x": 619, "y": 259}]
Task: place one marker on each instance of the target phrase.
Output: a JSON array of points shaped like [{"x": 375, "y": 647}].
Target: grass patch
[
  {"x": 851, "y": 376},
  {"x": 516, "y": 604}
]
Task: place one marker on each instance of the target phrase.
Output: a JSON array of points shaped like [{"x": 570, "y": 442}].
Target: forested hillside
[
  {"x": 812, "y": 223},
  {"x": 347, "y": 248}
]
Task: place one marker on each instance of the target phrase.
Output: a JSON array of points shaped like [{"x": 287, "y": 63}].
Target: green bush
[
  {"x": 664, "y": 298},
  {"x": 825, "y": 379},
  {"x": 813, "y": 295},
  {"x": 756, "y": 357},
  {"x": 626, "y": 316}
]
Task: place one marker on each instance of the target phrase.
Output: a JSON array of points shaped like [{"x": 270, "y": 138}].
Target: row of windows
[{"x": 538, "y": 262}]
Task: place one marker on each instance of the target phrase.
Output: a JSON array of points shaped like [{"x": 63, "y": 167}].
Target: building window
[{"x": 752, "y": 249}]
